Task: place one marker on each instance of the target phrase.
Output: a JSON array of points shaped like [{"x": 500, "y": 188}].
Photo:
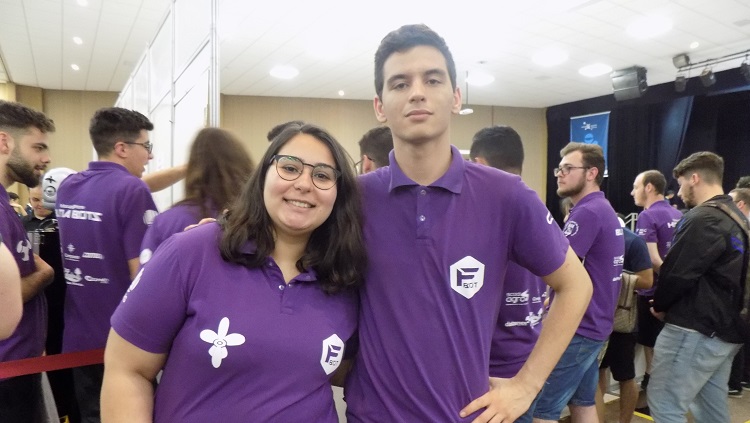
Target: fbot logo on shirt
[
  {"x": 333, "y": 353},
  {"x": 467, "y": 276},
  {"x": 570, "y": 228}
]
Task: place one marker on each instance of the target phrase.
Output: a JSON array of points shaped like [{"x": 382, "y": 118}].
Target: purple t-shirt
[
  {"x": 657, "y": 224},
  {"x": 29, "y": 337},
  {"x": 438, "y": 257},
  {"x": 103, "y": 213},
  {"x": 596, "y": 237},
  {"x": 168, "y": 223},
  {"x": 519, "y": 322},
  {"x": 242, "y": 345}
]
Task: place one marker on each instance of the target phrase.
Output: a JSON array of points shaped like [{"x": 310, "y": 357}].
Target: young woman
[
  {"x": 248, "y": 316},
  {"x": 217, "y": 169}
]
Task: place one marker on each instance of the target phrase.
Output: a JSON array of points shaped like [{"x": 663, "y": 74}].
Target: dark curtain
[{"x": 658, "y": 130}]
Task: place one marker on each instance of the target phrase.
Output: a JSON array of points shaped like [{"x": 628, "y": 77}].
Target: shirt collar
[
  {"x": 309, "y": 275},
  {"x": 452, "y": 180}
]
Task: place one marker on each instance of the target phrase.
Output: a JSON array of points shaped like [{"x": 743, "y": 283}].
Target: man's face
[
  {"x": 138, "y": 155},
  {"x": 418, "y": 99},
  {"x": 35, "y": 198},
  {"x": 29, "y": 159},
  {"x": 686, "y": 192},
  {"x": 574, "y": 182},
  {"x": 639, "y": 191},
  {"x": 744, "y": 207}
]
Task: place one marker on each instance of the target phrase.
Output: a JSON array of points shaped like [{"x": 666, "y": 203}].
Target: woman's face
[{"x": 298, "y": 207}]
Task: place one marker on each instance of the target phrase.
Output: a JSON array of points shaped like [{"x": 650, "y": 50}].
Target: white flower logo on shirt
[{"x": 221, "y": 341}]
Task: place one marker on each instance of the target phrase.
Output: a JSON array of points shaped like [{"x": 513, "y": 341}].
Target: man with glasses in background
[
  {"x": 597, "y": 238},
  {"x": 103, "y": 213}
]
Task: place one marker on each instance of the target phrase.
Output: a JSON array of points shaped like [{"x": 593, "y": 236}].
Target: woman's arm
[{"x": 128, "y": 387}]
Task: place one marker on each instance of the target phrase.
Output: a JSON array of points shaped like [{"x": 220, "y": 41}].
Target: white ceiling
[{"x": 332, "y": 42}]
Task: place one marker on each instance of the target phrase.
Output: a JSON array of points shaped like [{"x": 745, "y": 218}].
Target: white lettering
[{"x": 93, "y": 256}]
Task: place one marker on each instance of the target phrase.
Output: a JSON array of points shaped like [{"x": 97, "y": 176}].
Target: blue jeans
[
  {"x": 689, "y": 371},
  {"x": 573, "y": 380}
]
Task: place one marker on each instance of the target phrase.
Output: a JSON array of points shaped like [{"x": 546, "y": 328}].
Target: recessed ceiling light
[
  {"x": 341, "y": 93},
  {"x": 284, "y": 72},
  {"x": 78, "y": 40},
  {"x": 550, "y": 57},
  {"x": 74, "y": 67},
  {"x": 594, "y": 70},
  {"x": 694, "y": 45},
  {"x": 479, "y": 78},
  {"x": 83, "y": 2},
  {"x": 649, "y": 27}
]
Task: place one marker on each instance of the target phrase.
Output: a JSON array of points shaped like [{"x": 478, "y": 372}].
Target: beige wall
[{"x": 251, "y": 118}]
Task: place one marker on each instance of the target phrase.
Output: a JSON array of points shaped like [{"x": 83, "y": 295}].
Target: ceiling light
[
  {"x": 707, "y": 77},
  {"x": 466, "y": 111},
  {"x": 284, "y": 72},
  {"x": 550, "y": 57},
  {"x": 694, "y": 45},
  {"x": 649, "y": 27},
  {"x": 681, "y": 60},
  {"x": 83, "y": 2},
  {"x": 78, "y": 40},
  {"x": 341, "y": 93},
  {"x": 680, "y": 83},
  {"x": 745, "y": 70},
  {"x": 479, "y": 78},
  {"x": 75, "y": 67},
  {"x": 597, "y": 69}
]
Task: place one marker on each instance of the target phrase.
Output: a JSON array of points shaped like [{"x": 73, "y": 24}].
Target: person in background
[
  {"x": 40, "y": 217},
  {"x": 253, "y": 311},
  {"x": 217, "y": 169},
  {"x": 103, "y": 213},
  {"x": 700, "y": 299},
  {"x": 24, "y": 151},
  {"x": 524, "y": 294},
  {"x": 739, "y": 377},
  {"x": 374, "y": 148}
]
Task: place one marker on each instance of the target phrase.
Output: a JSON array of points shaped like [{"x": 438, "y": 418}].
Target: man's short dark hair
[
  {"x": 405, "y": 38},
  {"x": 500, "y": 146},
  {"x": 743, "y": 182},
  {"x": 376, "y": 144},
  {"x": 742, "y": 194},
  {"x": 276, "y": 130},
  {"x": 593, "y": 156},
  {"x": 13, "y": 196},
  {"x": 16, "y": 118},
  {"x": 709, "y": 165},
  {"x": 113, "y": 124},
  {"x": 656, "y": 179}
]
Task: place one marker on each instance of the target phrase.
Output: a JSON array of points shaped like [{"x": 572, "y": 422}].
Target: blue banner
[{"x": 591, "y": 129}]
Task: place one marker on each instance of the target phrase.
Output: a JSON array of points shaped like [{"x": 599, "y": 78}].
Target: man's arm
[
  {"x": 164, "y": 178},
  {"x": 653, "y": 252},
  {"x": 509, "y": 398},
  {"x": 645, "y": 279},
  {"x": 11, "y": 305},
  {"x": 133, "y": 265},
  {"x": 33, "y": 283}
]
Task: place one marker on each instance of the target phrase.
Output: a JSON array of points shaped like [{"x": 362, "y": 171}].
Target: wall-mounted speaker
[{"x": 629, "y": 83}]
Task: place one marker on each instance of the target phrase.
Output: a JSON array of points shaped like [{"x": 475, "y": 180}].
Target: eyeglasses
[
  {"x": 290, "y": 168},
  {"x": 147, "y": 145},
  {"x": 565, "y": 170}
]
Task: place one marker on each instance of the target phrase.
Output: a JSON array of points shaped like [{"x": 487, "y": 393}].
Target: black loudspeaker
[{"x": 629, "y": 83}]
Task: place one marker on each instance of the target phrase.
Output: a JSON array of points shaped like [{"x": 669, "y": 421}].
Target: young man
[
  {"x": 103, "y": 213},
  {"x": 596, "y": 237},
  {"x": 739, "y": 378},
  {"x": 656, "y": 225},
  {"x": 39, "y": 215},
  {"x": 23, "y": 146},
  {"x": 438, "y": 230},
  {"x": 374, "y": 148},
  {"x": 699, "y": 297},
  {"x": 523, "y": 296}
]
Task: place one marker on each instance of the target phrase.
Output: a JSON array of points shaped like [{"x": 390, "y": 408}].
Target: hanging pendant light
[{"x": 466, "y": 110}]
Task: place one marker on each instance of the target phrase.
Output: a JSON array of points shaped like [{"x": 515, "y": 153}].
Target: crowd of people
[{"x": 430, "y": 287}]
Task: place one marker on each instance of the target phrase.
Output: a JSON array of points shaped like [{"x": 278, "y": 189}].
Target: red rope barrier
[{"x": 48, "y": 363}]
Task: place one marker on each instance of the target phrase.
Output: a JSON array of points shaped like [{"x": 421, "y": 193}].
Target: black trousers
[
  {"x": 87, "y": 381},
  {"x": 21, "y": 399}
]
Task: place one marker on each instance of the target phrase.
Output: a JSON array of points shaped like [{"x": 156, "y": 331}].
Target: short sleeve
[
  {"x": 154, "y": 307},
  {"x": 646, "y": 228},
  {"x": 581, "y": 230},
  {"x": 138, "y": 213},
  {"x": 637, "y": 258}
]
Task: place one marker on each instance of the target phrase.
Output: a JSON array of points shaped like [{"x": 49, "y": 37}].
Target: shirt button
[
  {"x": 422, "y": 218},
  {"x": 423, "y": 192},
  {"x": 281, "y": 287}
]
